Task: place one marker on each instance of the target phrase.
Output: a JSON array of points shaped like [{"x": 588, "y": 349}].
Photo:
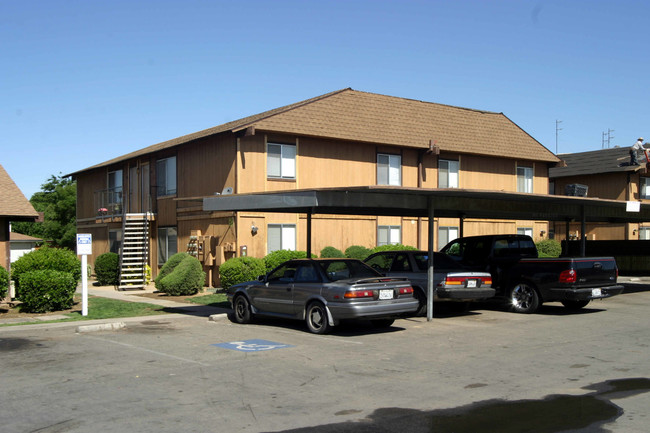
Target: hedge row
[{"x": 4, "y": 282}]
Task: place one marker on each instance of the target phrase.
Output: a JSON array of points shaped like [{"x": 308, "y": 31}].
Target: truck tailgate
[{"x": 595, "y": 271}]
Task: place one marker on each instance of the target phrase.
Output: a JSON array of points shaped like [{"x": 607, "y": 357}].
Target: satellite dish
[{"x": 226, "y": 191}]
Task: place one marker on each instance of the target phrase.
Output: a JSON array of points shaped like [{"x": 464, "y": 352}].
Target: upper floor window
[
  {"x": 166, "y": 176},
  {"x": 389, "y": 169},
  {"x": 281, "y": 161},
  {"x": 644, "y": 190},
  {"x": 644, "y": 233},
  {"x": 281, "y": 237},
  {"x": 524, "y": 179},
  {"x": 448, "y": 173},
  {"x": 389, "y": 235},
  {"x": 114, "y": 189}
]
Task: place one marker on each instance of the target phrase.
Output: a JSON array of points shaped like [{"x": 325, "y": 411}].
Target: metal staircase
[{"x": 134, "y": 255}]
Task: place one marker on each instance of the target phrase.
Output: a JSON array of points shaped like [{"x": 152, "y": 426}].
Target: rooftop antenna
[
  {"x": 609, "y": 137},
  {"x": 602, "y": 146},
  {"x": 557, "y": 130}
]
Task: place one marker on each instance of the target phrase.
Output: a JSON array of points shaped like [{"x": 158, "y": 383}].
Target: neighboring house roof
[
  {"x": 19, "y": 237},
  {"x": 614, "y": 160},
  {"x": 13, "y": 204},
  {"x": 372, "y": 118}
]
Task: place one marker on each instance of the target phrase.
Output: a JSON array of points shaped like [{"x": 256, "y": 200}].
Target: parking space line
[{"x": 148, "y": 350}]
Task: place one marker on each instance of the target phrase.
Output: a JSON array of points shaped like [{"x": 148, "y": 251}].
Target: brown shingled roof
[
  {"x": 372, "y": 118},
  {"x": 613, "y": 160},
  {"x": 13, "y": 203}
]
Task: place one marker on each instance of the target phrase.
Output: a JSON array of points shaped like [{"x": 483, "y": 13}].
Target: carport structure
[{"x": 430, "y": 204}]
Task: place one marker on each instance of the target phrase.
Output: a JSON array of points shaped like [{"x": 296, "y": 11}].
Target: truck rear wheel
[{"x": 523, "y": 298}]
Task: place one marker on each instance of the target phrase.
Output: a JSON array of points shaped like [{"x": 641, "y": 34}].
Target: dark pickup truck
[{"x": 526, "y": 281}]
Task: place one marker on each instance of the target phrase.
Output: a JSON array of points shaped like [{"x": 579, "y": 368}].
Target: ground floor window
[
  {"x": 115, "y": 241},
  {"x": 167, "y": 243},
  {"x": 446, "y": 235},
  {"x": 528, "y": 231},
  {"x": 644, "y": 233},
  {"x": 389, "y": 235},
  {"x": 281, "y": 237}
]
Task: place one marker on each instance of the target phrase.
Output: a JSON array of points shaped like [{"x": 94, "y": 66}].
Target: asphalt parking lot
[{"x": 484, "y": 370}]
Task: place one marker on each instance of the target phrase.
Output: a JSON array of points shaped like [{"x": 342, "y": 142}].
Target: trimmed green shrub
[
  {"x": 357, "y": 252},
  {"x": 186, "y": 279},
  {"x": 107, "y": 269},
  {"x": 46, "y": 258},
  {"x": 169, "y": 267},
  {"x": 392, "y": 247},
  {"x": 42, "y": 291},
  {"x": 240, "y": 269},
  {"x": 549, "y": 248},
  {"x": 276, "y": 258},
  {"x": 4, "y": 282},
  {"x": 331, "y": 252}
]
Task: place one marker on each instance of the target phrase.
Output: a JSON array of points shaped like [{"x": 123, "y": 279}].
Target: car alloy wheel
[
  {"x": 524, "y": 298},
  {"x": 317, "y": 318}
]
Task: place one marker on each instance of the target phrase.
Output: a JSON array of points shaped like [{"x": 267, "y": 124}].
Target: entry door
[
  {"x": 133, "y": 190},
  {"x": 145, "y": 188}
]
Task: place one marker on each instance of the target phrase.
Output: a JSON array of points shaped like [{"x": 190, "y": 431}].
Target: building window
[
  {"x": 167, "y": 243},
  {"x": 389, "y": 235},
  {"x": 645, "y": 188},
  {"x": 389, "y": 169},
  {"x": 166, "y": 176},
  {"x": 281, "y": 161},
  {"x": 448, "y": 173},
  {"x": 644, "y": 233},
  {"x": 528, "y": 231},
  {"x": 524, "y": 179},
  {"x": 115, "y": 241},
  {"x": 281, "y": 237},
  {"x": 114, "y": 198},
  {"x": 446, "y": 235}
]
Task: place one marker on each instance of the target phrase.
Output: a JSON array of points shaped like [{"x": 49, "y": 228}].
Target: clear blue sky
[{"x": 84, "y": 81}]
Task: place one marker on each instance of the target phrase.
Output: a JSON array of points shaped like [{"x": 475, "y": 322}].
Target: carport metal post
[
  {"x": 309, "y": 234},
  {"x": 430, "y": 288},
  {"x": 583, "y": 237}
]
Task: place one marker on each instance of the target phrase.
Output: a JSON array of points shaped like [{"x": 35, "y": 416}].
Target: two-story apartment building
[
  {"x": 606, "y": 174},
  {"x": 340, "y": 139}
]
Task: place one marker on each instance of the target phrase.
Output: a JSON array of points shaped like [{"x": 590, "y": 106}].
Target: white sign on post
[{"x": 84, "y": 249}]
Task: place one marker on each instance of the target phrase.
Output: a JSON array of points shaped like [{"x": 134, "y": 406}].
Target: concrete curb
[{"x": 114, "y": 326}]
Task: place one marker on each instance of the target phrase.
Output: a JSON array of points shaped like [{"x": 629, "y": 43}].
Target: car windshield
[
  {"x": 439, "y": 261},
  {"x": 344, "y": 269}
]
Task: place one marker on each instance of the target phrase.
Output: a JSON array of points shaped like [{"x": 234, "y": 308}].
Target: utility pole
[{"x": 557, "y": 130}]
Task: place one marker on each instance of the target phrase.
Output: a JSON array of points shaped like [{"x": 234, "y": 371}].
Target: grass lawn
[
  {"x": 214, "y": 300},
  {"x": 98, "y": 308}
]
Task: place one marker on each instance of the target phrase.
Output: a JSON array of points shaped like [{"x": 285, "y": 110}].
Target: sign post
[{"x": 84, "y": 248}]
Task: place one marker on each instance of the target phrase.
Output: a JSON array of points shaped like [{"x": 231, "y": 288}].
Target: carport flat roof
[{"x": 414, "y": 202}]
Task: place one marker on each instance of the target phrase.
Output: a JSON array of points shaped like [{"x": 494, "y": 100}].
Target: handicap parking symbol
[{"x": 252, "y": 345}]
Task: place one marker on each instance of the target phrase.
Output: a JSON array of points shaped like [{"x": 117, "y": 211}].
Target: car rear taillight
[
  {"x": 405, "y": 290},
  {"x": 568, "y": 276},
  {"x": 487, "y": 280},
  {"x": 454, "y": 281},
  {"x": 354, "y": 294}
]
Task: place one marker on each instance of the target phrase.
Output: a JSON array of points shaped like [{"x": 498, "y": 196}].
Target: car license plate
[
  {"x": 385, "y": 294},
  {"x": 596, "y": 292},
  {"x": 471, "y": 283}
]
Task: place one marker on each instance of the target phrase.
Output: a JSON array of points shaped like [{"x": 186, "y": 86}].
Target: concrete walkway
[{"x": 183, "y": 308}]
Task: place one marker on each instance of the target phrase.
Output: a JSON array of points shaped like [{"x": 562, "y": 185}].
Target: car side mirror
[{"x": 261, "y": 278}]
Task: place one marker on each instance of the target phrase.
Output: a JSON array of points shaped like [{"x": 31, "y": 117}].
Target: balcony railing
[{"x": 109, "y": 202}]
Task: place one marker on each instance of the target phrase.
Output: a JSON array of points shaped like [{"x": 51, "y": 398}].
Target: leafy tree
[{"x": 57, "y": 200}]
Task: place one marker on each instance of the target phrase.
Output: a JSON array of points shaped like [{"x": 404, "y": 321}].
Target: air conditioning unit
[{"x": 576, "y": 190}]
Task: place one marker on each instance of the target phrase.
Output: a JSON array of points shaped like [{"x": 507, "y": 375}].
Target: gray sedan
[{"x": 323, "y": 292}]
